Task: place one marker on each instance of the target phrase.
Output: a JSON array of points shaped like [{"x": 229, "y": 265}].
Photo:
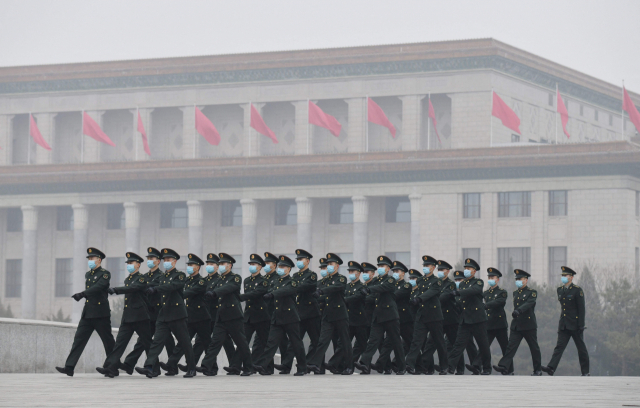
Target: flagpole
[
  {"x": 82, "y": 139},
  {"x": 556, "y": 114},
  {"x": 622, "y": 113},
  {"x": 366, "y": 124},
  {"x": 491, "y": 120},
  {"x": 429, "y": 123},
  {"x": 195, "y": 138},
  {"x": 308, "y": 126}
]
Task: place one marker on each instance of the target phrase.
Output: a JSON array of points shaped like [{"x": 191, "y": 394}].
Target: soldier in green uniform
[
  {"x": 335, "y": 317},
  {"x": 473, "y": 320},
  {"x": 135, "y": 316},
  {"x": 285, "y": 321},
  {"x": 96, "y": 314},
  {"x": 523, "y": 325},
  {"x": 571, "y": 324},
  {"x": 370, "y": 279},
  {"x": 308, "y": 309},
  {"x": 271, "y": 262},
  {"x": 230, "y": 319},
  {"x": 386, "y": 319},
  {"x": 172, "y": 317}
]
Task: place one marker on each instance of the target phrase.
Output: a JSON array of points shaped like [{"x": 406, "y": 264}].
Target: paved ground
[{"x": 93, "y": 390}]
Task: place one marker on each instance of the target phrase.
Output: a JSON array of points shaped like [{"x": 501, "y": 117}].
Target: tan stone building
[{"x": 535, "y": 200}]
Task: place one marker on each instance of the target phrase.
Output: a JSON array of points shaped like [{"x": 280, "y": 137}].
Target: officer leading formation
[{"x": 386, "y": 307}]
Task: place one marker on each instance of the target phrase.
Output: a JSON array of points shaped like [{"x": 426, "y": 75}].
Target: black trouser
[
  {"x": 142, "y": 328},
  {"x": 378, "y": 330},
  {"x": 277, "y": 335},
  {"x": 202, "y": 329},
  {"x": 360, "y": 346},
  {"x": 311, "y": 327},
  {"x": 503, "y": 340},
  {"x": 329, "y": 331},
  {"x": 406, "y": 332},
  {"x": 221, "y": 332},
  {"x": 465, "y": 333},
  {"x": 261, "y": 329},
  {"x": 420, "y": 332},
  {"x": 85, "y": 329},
  {"x": 360, "y": 334},
  {"x": 515, "y": 337},
  {"x": 165, "y": 329},
  {"x": 451, "y": 333},
  {"x": 201, "y": 344},
  {"x": 132, "y": 358},
  {"x": 563, "y": 339}
]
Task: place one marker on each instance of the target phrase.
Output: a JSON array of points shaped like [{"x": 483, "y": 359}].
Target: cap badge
[
  {"x": 128, "y": 256},
  {"x": 253, "y": 256},
  {"x": 298, "y": 252},
  {"x": 90, "y": 250},
  {"x": 149, "y": 250},
  {"x": 165, "y": 251}
]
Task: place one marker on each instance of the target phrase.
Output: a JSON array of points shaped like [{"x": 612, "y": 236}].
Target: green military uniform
[
  {"x": 96, "y": 314},
  {"x": 369, "y": 306},
  {"x": 272, "y": 278}
]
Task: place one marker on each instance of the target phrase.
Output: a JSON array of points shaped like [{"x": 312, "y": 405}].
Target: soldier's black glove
[
  {"x": 78, "y": 296},
  {"x": 516, "y": 313},
  {"x": 211, "y": 295},
  {"x": 365, "y": 291},
  {"x": 581, "y": 329},
  {"x": 455, "y": 292},
  {"x": 111, "y": 291},
  {"x": 151, "y": 290},
  {"x": 317, "y": 293},
  {"x": 415, "y": 301},
  {"x": 268, "y": 296}
]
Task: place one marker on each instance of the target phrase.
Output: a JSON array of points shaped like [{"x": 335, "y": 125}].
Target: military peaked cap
[
  {"x": 213, "y": 258},
  {"x": 414, "y": 274},
  {"x": 399, "y": 265},
  {"x": 285, "y": 261},
  {"x": 367, "y": 267},
  {"x": 384, "y": 260},
  {"x": 169, "y": 253},
  {"x": 151, "y": 251},
  {"x": 471, "y": 264},
  {"x": 494, "y": 272},
  {"x": 194, "y": 260},
  {"x": 567, "y": 271},
  {"x": 301, "y": 253},
  {"x": 269, "y": 257},
  {"x": 521, "y": 274},
  {"x": 331, "y": 257},
  {"x": 354, "y": 266},
  {"x": 226, "y": 258},
  {"x": 442, "y": 265},
  {"x": 131, "y": 257},
  {"x": 458, "y": 275},
  {"x": 428, "y": 260},
  {"x": 323, "y": 262},
  {"x": 95, "y": 252},
  {"x": 255, "y": 258}
]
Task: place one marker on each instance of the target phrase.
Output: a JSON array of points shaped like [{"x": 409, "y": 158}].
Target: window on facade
[
  {"x": 174, "y": 215},
  {"x": 64, "y": 218},
  {"x": 64, "y": 276},
  {"x": 340, "y": 211},
  {"x": 231, "y": 214},
  {"x": 514, "y": 204},
  {"x": 404, "y": 257},
  {"x": 115, "y": 216},
  {"x": 286, "y": 212},
  {"x": 514, "y": 258},
  {"x": 557, "y": 258},
  {"x": 471, "y": 205},
  {"x": 13, "y": 276},
  {"x": 397, "y": 209},
  {"x": 14, "y": 219},
  {"x": 515, "y": 138},
  {"x": 557, "y": 203},
  {"x": 118, "y": 269}
]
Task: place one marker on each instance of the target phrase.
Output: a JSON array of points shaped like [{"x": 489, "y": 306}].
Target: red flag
[
  {"x": 432, "y": 115},
  {"x": 206, "y": 128},
  {"x": 564, "y": 115},
  {"x": 91, "y": 129},
  {"x": 35, "y": 133},
  {"x": 376, "y": 115},
  {"x": 630, "y": 108},
  {"x": 258, "y": 124},
  {"x": 319, "y": 118},
  {"x": 503, "y": 112},
  {"x": 143, "y": 132}
]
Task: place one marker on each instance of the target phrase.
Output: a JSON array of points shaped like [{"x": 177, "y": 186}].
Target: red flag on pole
[
  {"x": 91, "y": 129},
  {"x": 258, "y": 124},
  {"x": 503, "y": 112},
  {"x": 630, "y": 108},
  {"x": 432, "y": 115},
  {"x": 376, "y": 115},
  {"x": 143, "y": 132},
  {"x": 564, "y": 115},
  {"x": 319, "y": 118},
  {"x": 35, "y": 133},
  {"x": 206, "y": 128}
]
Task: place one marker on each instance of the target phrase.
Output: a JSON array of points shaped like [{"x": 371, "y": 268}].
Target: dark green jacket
[
  {"x": 402, "y": 295},
  {"x": 524, "y": 300},
  {"x": 430, "y": 309},
  {"x": 472, "y": 301},
  {"x": 228, "y": 290},
  {"x": 336, "y": 308},
  {"x": 210, "y": 281},
  {"x": 370, "y": 300},
  {"x": 494, "y": 301},
  {"x": 154, "y": 301},
  {"x": 255, "y": 309},
  {"x": 136, "y": 308},
  {"x": 271, "y": 279},
  {"x": 386, "y": 308},
  {"x": 96, "y": 283},
  {"x": 355, "y": 304},
  {"x": 573, "y": 310},
  {"x": 197, "y": 308},
  {"x": 284, "y": 298},
  {"x": 170, "y": 288},
  {"x": 307, "y": 283},
  {"x": 448, "y": 305}
]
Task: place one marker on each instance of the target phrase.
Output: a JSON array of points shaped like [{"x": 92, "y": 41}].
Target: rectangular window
[
  {"x": 557, "y": 258},
  {"x": 397, "y": 209},
  {"x": 118, "y": 269},
  {"x": 13, "y": 283},
  {"x": 514, "y": 204},
  {"x": 558, "y": 203},
  {"x": 404, "y": 257},
  {"x": 340, "y": 211},
  {"x": 473, "y": 253},
  {"x": 64, "y": 218},
  {"x": 471, "y": 205},
  {"x": 286, "y": 212},
  {"x": 14, "y": 220},
  {"x": 174, "y": 215},
  {"x": 115, "y": 216},
  {"x": 514, "y": 258},
  {"x": 515, "y": 138},
  {"x": 64, "y": 274},
  {"x": 231, "y": 214}
]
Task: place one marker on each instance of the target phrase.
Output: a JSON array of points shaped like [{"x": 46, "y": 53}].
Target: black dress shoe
[
  {"x": 105, "y": 371},
  {"x": 363, "y": 368},
  {"x": 260, "y": 369},
  {"x": 313, "y": 368},
  {"x": 548, "y": 370},
  {"x": 299, "y": 373},
  {"x": 460, "y": 373},
  {"x": 437, "y": 367},
  {"x": 126, "y": 368},
  {"x": 232, "y": 370},
  {"x": 147, "y": 371},
  {"x": 347, "y": 371},
  {"x": 387, "y": 372},
  {"x": 65, "y": 370},
  {"x": 285, "y": 372},
  {"x": 183, "y": 368},
  {"x": 246, "y": 373},
  {"x": 190, "y": 374},
  {"x": 429, "y": 372},
  {"x": 536, "y": 373},
  {"x": 586, "y": 375},
  {"x": 475, "y": 370},
  {"x": 156, "y": 373},
  {"x": 165, "y": 366},
  {"x": 443, "y": 372},
  {"x": 411, "y": 370},
  {"x": 281, "y": 367},
  {"x": 500, "y": 369},
  {"x": 487, "y": 372},
  {"x": 210, "y": 373},
  {"x": 451, "y": 370},
  {"x": 378, "y": 367},
  {"x": 200, "y": 369},
  {"x": 401, "y": 372}
]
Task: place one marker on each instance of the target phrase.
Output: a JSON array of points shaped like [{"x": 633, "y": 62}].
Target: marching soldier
[
  {"x": 370, "y": 279},
  {"x": 523, "y": 325},
  {"x": 571, "y": 324},
  {"x": 271, "y": 263},
  {"x": 135, "y": 316},
  {"x": 96, "y": 314}
]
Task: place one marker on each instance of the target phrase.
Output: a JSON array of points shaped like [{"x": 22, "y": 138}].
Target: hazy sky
[{"x": 599, "y": 38}]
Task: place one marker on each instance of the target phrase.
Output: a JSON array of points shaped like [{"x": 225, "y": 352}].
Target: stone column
[
  {"x": 356, "y": 138},
  {"x": 46, "y": 126},
  {"x": 302, "y": 143},
  {"x": 415, "y": 230},
  {"x": 411, "y": 120},
  {"x": 80, "y": 224},
  {"x": 5, "y": 139},
  {"x": 249, "y": 231},
  {"x": 195, "y": 227},
  {"x": 189, "y": 141},
  {"x": 29, "y": 261},
  {"x": 92, "y": 147},
  {"x": 132, "y": 227},
  {"x": 304, "y": 222},
  {"x": 360, "y": 228},
  {"x": 251, "y": 143}
]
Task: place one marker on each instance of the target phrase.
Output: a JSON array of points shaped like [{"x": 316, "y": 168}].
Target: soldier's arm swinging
[
  {"x": 101, "y": 284},
  {"x": 529, "y": 303},
  {"x": 175, "y": 285},
  {"x": 231, "y": 286}
]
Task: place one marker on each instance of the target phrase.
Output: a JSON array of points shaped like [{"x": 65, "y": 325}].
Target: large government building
[{"x": 469, "y": 187}]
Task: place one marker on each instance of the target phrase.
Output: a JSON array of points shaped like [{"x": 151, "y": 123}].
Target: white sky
[{"x": 599, "y": 38}]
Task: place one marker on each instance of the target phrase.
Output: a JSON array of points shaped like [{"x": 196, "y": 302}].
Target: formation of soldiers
[{"x": 385, "y": 307}]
